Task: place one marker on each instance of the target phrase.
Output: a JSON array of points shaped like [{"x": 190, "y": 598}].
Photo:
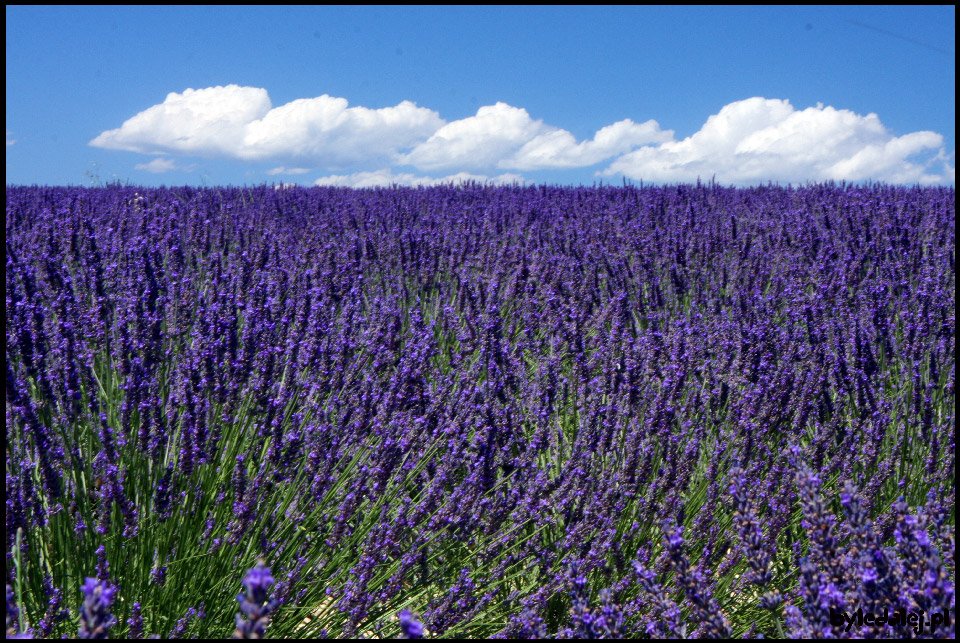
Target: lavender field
[{"x": 683, "y": 411}]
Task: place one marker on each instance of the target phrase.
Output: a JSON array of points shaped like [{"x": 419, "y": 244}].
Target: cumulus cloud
[
  {"x": 757, "y": 139},
  {"x": 559, "y": 148},
  {"x": 748, "y": 141},
  {"x": 326, "y": 130},
  {"x": 161, "y": 165},
  {"x": 506, "y": 137},
  {"x": 287, "y": 170},
  {"x": 198, "y": 122},
  {"x": 385, "y": 177},
  {"x": 10, "y": 141},
  {"x": 241, "y": 123},
  {"x": 481, "y": 141}
]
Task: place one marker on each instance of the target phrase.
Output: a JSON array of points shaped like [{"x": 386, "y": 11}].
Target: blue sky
[{"x": 366, "y": 96}]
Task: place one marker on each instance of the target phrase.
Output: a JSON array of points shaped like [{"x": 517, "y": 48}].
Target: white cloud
[
  {"x": 287, "y": 170},
  {"x": 324, "y": 129},
  {"x": 198, "y": 122},
  {"x": 506, "y": 137},
  {"x": 159, "y": 166},
  {"x": 10, "y": 141},
  {"x": 748, "y": 141},
  {"x": 385, "y": 177},
  {"x": 757, "y": 140},
  {"x": 240, "y": 123},
  {"x": 559, "y": 148},
  {"x": 481, "y": 141}
]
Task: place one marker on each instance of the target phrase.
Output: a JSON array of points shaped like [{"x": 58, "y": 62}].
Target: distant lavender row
[{"x": 570, "y": 412}]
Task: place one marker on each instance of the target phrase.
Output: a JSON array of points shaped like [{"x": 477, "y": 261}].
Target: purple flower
[
  {"x": 135, "y": 623},
  {"x": 13, "y": 618},
  {"x": 103, "y": 567},
  {"x": 255, "y": 606},
  {"x": 159, "y": 575},
  {"x": 54, "y": 613},
  {"x": 95, "y": 616},
  {"x": 181, "y": 627},
  {"x": 410, "y": 627}
]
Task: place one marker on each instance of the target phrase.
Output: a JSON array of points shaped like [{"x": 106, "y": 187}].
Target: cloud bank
[
  {"x": 385, "y": 177},
  {"x": 287, "y": 170},
  {"x": 749, "y": 141},
  {"x": 161, "y": 165},
  {"x": 758, "y": 140},
  {"x": 241, "y": 123}
]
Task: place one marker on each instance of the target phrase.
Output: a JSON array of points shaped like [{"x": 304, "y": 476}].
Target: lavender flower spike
[
  {"x": 13, "y": 615},
  {"x": 410, "y": 627},
  {"x": 135, "y": 623},
  {"x": 254, "y": 604},
  {"x": 95, "y": 616}
]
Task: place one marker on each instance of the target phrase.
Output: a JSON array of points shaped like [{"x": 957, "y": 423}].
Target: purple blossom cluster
[
  {"x": 605, "y": 621},
  {"x": 255, "y": 604},
  {"x": 95, "y": 616},
  {"x": 907, "y": 576},
  {"x": 13, "y": 618},
  {"x": 729, "y": 410},
  {"x": 410, "y": 627}
]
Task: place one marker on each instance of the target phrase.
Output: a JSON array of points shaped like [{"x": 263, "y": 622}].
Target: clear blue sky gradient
[{"x": 74, "y": 72}]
